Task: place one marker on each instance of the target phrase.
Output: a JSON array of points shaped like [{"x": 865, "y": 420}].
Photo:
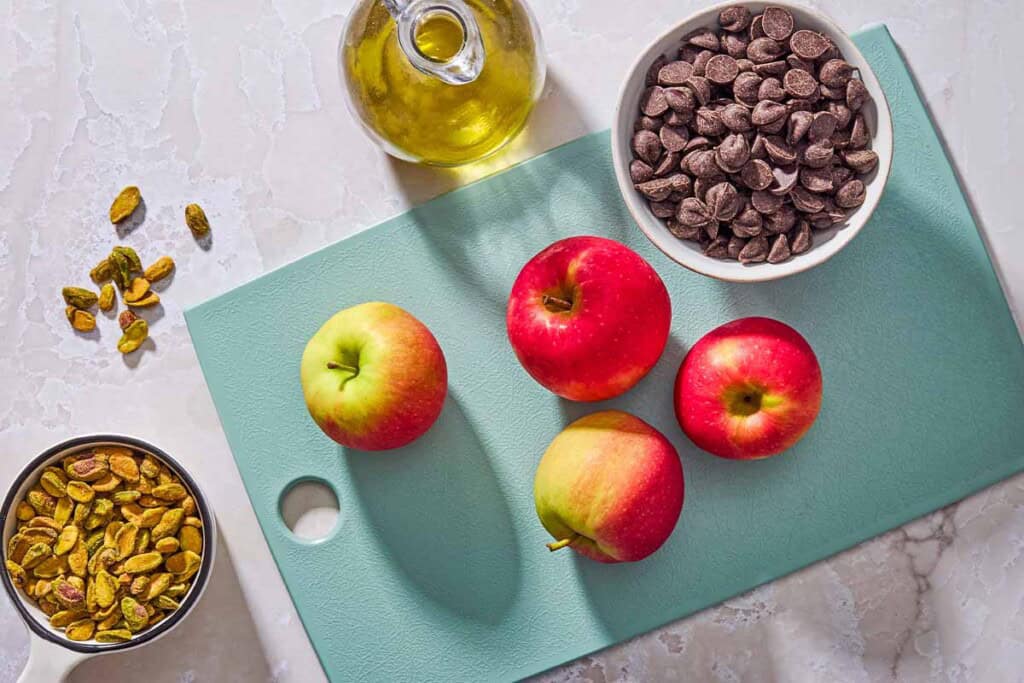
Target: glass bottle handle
[{"x": 465, "y": 66}]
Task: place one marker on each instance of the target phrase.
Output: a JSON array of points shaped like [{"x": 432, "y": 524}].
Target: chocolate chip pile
[{"x": 753, "y": 138}]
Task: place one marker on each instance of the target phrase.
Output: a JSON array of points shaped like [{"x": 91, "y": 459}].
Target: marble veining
[{"x": 236, "y": 104}]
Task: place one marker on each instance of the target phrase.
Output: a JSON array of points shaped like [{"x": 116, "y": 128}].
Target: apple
[
  {"x": 374, "y": 377},
  {"x": 610, "y": 487},
  {"x": 588, "y": 318},
  {"x": 748, "y": 389}
]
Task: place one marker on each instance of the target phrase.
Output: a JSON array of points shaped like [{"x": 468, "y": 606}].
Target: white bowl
[{"x": 826, "y": 242}]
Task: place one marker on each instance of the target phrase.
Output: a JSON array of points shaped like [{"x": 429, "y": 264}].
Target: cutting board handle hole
[{"x": 309, "y": 508}]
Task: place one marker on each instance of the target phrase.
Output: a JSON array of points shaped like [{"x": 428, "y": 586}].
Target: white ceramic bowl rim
[
  {"x": 692, "y": 258},
  {"x": 201, "y": 578}
]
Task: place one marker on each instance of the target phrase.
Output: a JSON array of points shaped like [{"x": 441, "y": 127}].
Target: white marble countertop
[{"x": 236, "y": 104}]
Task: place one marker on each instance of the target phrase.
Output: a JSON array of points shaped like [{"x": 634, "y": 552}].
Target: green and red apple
[
  {"x": 610, "y": 486},
  {"x": 748, "y": 389},
  {"x": 588, "y": 318},
  {"x": 374, "y": 377}
]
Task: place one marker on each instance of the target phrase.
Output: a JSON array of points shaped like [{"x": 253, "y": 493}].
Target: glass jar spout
[{"x": 448, "y": 60}]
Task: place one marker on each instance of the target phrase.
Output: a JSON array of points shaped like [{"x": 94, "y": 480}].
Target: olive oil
[{"x": 418, "y": 116}]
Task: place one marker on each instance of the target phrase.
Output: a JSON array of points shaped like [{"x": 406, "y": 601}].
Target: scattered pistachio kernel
[
  {"x": 79, "y": 297},
  {"x": 138, "y": 289},
  {"x": 134, "y": 262},
  {"x": 160, "y": 269},
  {"x": 195, "y": 219},
  {"x": 133, "y": 336},
  {"x": 126, "y": 318},
  {"x": 101, "y": 272},
  {"x": 83, "y": 321},
  {"x": 107, "y": 297},
  {"x": 150, "y": 299},
  {"x": 125, "y": 203},
  {"x": 121, "y": 269},
  {"x": 165, "y": 602}
]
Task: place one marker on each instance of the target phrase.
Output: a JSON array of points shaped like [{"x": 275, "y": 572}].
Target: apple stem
[
  {"x": 331, "y": 365},
  {"x": 558, "y": 545},
  {"x": 557, "y": 302}
]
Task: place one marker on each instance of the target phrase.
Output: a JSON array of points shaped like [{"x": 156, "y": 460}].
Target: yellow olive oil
[{"x": 420, "y": 117}]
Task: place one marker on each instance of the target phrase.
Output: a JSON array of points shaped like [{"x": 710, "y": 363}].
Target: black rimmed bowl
[{"x": 52, "y": 654}]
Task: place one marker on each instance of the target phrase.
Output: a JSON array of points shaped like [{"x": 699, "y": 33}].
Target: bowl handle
[{"x": 49, "y": 662}]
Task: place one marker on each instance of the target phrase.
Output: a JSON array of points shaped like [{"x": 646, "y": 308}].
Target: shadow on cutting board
[{"x": 451, "y": 535}]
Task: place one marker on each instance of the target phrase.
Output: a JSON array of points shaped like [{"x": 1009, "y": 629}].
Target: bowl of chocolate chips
[{"x": 752, "y": 141}]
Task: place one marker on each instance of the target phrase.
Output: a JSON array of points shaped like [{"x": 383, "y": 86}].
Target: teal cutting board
[{"x": 437, "y": 570}]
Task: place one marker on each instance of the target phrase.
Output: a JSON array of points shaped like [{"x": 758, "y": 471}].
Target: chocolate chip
[
  {"x": 756, "y": 174},
  {"x": 665, "y": 209},
  {"x": 777, "y": 23},
  {"x": 743, "y": 63},
  {"x": 780, "y": 250},
  {"x": 784, "y": 179},
  {"x": 697, "y": 142},
  {"x": 822, "y": 127},
  {"x": 735, "y": 45},
  {"x": 688, "y": 53},
  {"x": 842, "y": 113},
  {"x": 861, "y": 160},
  {"x": 780, "y": 221},
  {"x": 764, "y": 50},
  {"x": 651, "y": 123},
  {"x": 683, "y": 232},
  {"x": 657, "y": 190},
  {"x": 801, "y": 238},
  {"x": 851, "y": 194},
  {"x": 652, "y": 73},
  {"x": 816, "y": 179},
  {"x": 704, "y": 38},
  {"x": 859, "y": 137},
  {"x": 767, "y": 112},
  {"x": 647, "y": 146},
  {"x": 747, "y": 223},
  {"x": 723, "y": 201},
  {"x": 735, "y": 18},
  {"x": 693, "y": 212},
  {"x": 681, "y": 100},
  {"x": 702, "y": 185},
  {"x": 675, "y": 73},
  {"x": 757, "y": 150},
  {"x": 674, "y": 118},
  {"x": 857, "y": 94},
  {"x": 732, "y": 153},
  {"x": 776, "y": 68},
  {"x": 794, "y": 62},
  {"x": 701, "y": 62},
  {"x": 835, "y": 73},
  {"x": 818, "y": 154},
  {"x": 806, "y": 201},
  {"x": 680, "y": 183},
  {"x": 771, "y": 89},
  {"x": 708, "y": 122},
  {"x": 721, "y": 69},
  {"x": 765, "y": 202},
  {"x": 799, "y": 83},
  {"x": 756, "y": 27},
  {"x": 736, "y": 118},
  {"x": 779, "y": 152},
  {"x": 797, "y": 126},
  {"x": 674, "y": 138},
  {"x": 640, "y": 171},
  {"x": 828, "y": 93},
  {"x": 755, "y": 251},
  {"x": 702, "y": 164},
  {"x": 719, "y": 248},
  {"x": 700, "y": 88},
  {"x": 840, "y": 174},
  {"x": 668, "y": 163},
  {"x": 808, "y": 45},
  {"x": 653, "y": 101},
  {"x": 745, "y": 88},
  {"x": 800, "y": 104}
]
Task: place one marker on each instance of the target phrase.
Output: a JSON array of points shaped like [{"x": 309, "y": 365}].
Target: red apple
[
  {"x": 610, "y": 487},
  {"x": 374, "y": 377},
  {"x": 748, "y": 389},
  {"x": 588, "y": 318}
]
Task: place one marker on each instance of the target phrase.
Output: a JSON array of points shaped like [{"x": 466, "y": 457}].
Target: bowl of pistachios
[{"x": 108, "y": 545}]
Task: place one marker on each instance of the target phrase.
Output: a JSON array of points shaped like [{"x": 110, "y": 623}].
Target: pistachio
[
  {"x": 106, "y": 588},
  {"x": 83, "y": 321},
  {"x": 146, "y": 562},
  {"x": 16, "y": 571},
  {"x": 124, "y": 466},
  {"x": 87, "y": 469},
  {"x": 166, "y": 546},
  {"x": 80, "y": 630},
  {"x": 106, "y": 300},
  {"x": 133, "y": 336},
  {"x": 188, "y": 504},
  {"x": 35, "y": 555},
  {"x": 177, "y": 590},
  {"x": 138, "y": 289},
  {"x": 134, "y": 262},
  {"x": 125, "y": 497},
  {"x": 157, "y": 585},
  {"x": 142, "y": 543},
  {"x": 80, "y": 492},
  {"x": 79, "y": 297},
  {"x": 165, "y": 602},
  {"x": 194, "y": 521},
  {"x": 190, "y": 538},
  {"x": 151, "y": 517},
  {"x": 160, "y": 269},
  {"x": 121, "y": 269},
  {"x": 150, "y": 299},
  {"x": 67, "y": 540},
  {"x": 24, "y": 512},
  {"x": 68, "y": 595},
  {"x": 101, "y": 560},
  {"x": 195, "y": 219},
  {"x": 78, "y": 559},
  {"x": 126, "y": 318},
  {"x": 135, "y": 615},
  {"x": 183, "y": 565},
  {"x": 125, "y": 203},
  {"x": 95, "y": 541},
  {"x": 41, "y": 501},
  {"x": 119, "y": 635},
  {"x": 125, "y": 541},
  {"x": 45, "y": 523},
  {"x": 150, "y": 466},
  {"x": 171, "y": 492},
  {"x": 53, "y": 484},
  {"x": 62, "y": 511},
  {"x": 110, "y": 621},
  {"x": 65, "y": 617},
  {"x": 107, "y": 483},
  {"x": 101, "y": 272},
  {"x": 51, "y": 567},
  {"x": 38, "y": 534}
]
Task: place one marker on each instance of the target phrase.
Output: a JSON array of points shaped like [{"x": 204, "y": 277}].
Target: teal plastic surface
[{"x": 438, "y": 570}]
